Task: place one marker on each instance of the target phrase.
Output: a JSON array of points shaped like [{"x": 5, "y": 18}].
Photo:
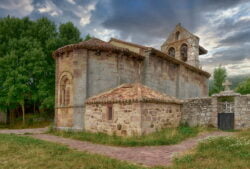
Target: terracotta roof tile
[
  {"x": 135, "y": 92},
  {"x": 96, "y": 44}
]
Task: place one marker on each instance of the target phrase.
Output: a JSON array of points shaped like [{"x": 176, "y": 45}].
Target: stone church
[{"x": 123, "y": 70}]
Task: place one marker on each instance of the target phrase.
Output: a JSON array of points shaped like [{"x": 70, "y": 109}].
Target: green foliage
[
  {"x": 237, "y": 79},
  {"x": 26, "y": 152},
  {"x": 87, "y": 37},
  {"x": 68, "y": 34},
  {"x": 221, "y": 152},
  {"x": 219, "y": 76},
  {"x": 164, "y": 137},
  {"x": 244, "y": 87},
  {"x": 27, "y": 74},
  {"x": 226, "y": 99}
]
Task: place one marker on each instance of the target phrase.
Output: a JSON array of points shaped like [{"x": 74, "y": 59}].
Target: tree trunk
[
  {"x": 23, "y": 111},
  {"x": 34, "y": 108}
]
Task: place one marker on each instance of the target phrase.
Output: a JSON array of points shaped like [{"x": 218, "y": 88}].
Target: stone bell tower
[{"x": 184, "y": 46}]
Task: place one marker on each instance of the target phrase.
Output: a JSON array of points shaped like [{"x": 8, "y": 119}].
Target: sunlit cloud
[{"x": 50, "y": 8}]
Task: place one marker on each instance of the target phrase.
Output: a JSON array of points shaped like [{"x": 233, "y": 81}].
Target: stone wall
[
  {"x": 197, "y": 111},
  {"x": 109, "y": 70},
  {"x": 131, "y": 119},
  {"x": 173, "y": 79},
  {"x": 158, "y": 116},
  {"x": 161, "y": 75},
  {"x": 242, "y": 109},
  {"x": 92, "y": 72},
  {"x": 204, "y": 111},
  {"x": 126, "y": 119},
  {"x": 192, "y": 84},
  {"x": 185, "y": 37}
]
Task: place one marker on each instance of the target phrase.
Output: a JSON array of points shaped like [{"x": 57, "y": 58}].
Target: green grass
[
  {"x": 20, "y": 152},
  {"x": 20, "y": 125},
  {"x": 218, "y": 153},
  {"x": 31, "y": 121},
  {"x": 164, "y": 137}
]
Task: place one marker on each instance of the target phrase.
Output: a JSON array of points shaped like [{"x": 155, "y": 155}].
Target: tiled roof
[
  {"x": 96, "y": 44},
  {"x": 135, "y": 92}
]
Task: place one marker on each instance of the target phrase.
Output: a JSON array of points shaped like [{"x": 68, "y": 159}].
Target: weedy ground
[{"x": 167, "y": 136}]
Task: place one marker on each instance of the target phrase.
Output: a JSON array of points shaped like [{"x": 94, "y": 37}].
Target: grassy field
[
  {"x": 218, "y": 153},
  {"x": 165, "y": 137},
  {"x": 23, "y": 152},
  {"x": 20, "y": 152}
]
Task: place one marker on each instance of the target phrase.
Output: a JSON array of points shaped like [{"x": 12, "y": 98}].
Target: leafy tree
[
  {"x": 244, "y": 87},
  {"x": 69, "y": 34},
  {"x": 219, "y": 76},
  {"x": 27, "y": 74}
]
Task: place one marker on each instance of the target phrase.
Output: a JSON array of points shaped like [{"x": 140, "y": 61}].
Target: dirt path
[{"x": 148, "y": 155}]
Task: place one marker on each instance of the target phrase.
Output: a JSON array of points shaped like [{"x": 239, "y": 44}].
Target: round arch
[
  {"x": 171, "y": 51},
  {"x": 184, "y": 52},
  {"x": 65, "y": 89}
]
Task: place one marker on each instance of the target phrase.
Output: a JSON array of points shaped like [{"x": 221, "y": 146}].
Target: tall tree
[
  {"x": 69, "y": 34},
  {"x": 27, "y": 74},
  {"x": 219, "y": 76}
]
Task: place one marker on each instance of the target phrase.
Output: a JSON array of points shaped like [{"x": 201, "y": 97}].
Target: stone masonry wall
[
  {"x": 126, "y": 119},
  {"x": 197, "y": 111},
  {"x": 192, "y": 84},
  {"x": 173, "y": 79},
  {"x": 158, "y": 116},
  {"x": 242, "y": 112},
  {"x": 204, "y": 111},
  {"x": 64, "y": 115},
  {"x": 185, "y": 37},
  {"x": 109, "y": 70},
  {"x": 161, "y": 75},
  {"x": 91, "y": 72}
]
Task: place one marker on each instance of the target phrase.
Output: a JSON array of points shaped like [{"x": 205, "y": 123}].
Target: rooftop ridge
[
  {"x": 95, "y": 44},
  {"x": 128, "y": 43},
  {"x": 134, "y": 92}
]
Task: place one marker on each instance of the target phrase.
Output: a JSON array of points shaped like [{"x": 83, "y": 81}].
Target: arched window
[
  {"x": 65, "y": 91},
  {"x": 177, "y": 35},
  {"x": 171, "y": 52},
  {"x": 184, "y": 52}
]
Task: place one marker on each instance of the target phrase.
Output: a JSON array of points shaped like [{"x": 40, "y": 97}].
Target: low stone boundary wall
[
  {"x": 204, "y": 111},
  {"x": 197, "y": 111}
]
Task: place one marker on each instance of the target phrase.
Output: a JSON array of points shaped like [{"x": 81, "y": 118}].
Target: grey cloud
[
  {"x": 238, "y": 38},
  {"x": 229, "y": 56}
]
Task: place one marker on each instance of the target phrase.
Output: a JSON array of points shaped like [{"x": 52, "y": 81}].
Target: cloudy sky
[{"x": 222, "y": 25}]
